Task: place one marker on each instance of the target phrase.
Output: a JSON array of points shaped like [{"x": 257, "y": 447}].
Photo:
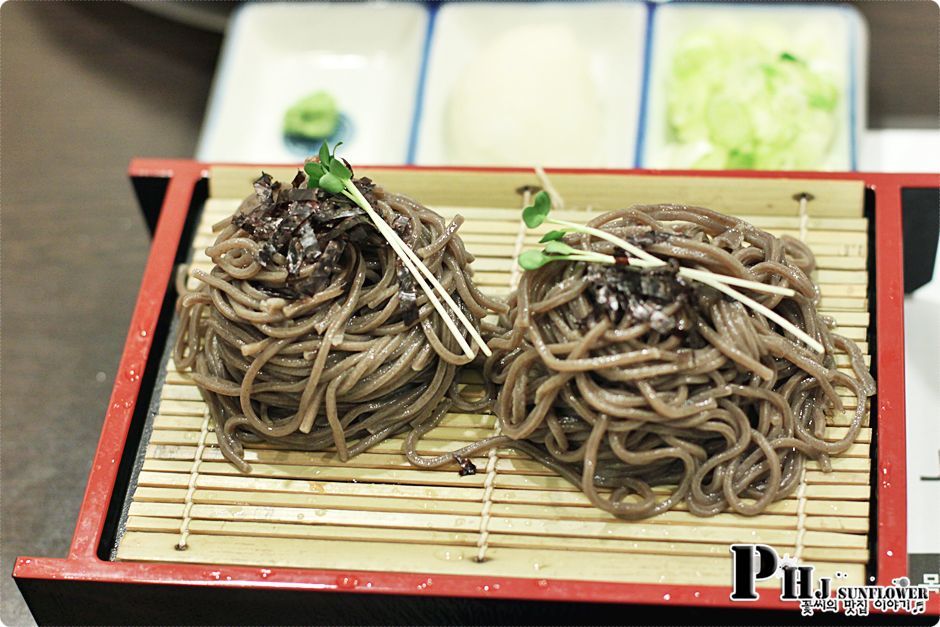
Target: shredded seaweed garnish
[
  {"x": 467, "y": 467},
  {"x": 305, "y": 227},
  {"x": 323, "y": 268},
  {"x": 638, "y": 294}
]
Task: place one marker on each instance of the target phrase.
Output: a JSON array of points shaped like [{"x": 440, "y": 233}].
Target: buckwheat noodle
[
  {"x": 308, "y": 333},
  {"x": 647, "y": 390}
]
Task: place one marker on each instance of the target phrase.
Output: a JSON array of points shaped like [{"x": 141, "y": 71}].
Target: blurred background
[{"x": 87, "y": 86}]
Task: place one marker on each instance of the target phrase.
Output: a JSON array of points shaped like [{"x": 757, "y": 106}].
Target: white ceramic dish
[
  {"x": 608, "y": 39},
  {"x": 833, "y": 38},
  {"x": 277, "y": 53}
]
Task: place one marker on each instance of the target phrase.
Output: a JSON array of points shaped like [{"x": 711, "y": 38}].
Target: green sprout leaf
[
  {"x": 543, "y": 202},
  {"x": 339, "y": 169},
  {"x": 314, "y": 171},
  {"x": 330, "y": 173},
  {"x": 552, "y": 236},
  {"x": 533, "y": 259},
  {"x": 331, "y": 183},
  {"x": 325, "y": 155},
  {"x": 532, "y": 217},
  {"x": 560, "y": 248},
  {"x": 535, "y": 214}
]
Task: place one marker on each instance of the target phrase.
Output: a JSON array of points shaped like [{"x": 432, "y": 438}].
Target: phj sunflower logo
[{"x": 755, "y": 562}]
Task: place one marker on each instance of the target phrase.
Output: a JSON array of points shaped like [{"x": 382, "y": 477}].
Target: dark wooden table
[{"x": 87, "y": 86}]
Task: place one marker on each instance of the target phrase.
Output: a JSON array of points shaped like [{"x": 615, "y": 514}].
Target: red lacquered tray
[{"x": 85, "y": 563}]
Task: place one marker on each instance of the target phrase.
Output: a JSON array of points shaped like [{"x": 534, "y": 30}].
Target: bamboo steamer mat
[{"x": 513, "y": 518}]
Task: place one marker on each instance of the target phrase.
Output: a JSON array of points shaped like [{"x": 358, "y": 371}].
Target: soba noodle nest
[
  {"x": 309, "y": 334},
  {"x": 648, "y": 390}
]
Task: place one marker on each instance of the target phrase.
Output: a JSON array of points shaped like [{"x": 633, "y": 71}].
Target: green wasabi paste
[{"x": 315, "y": 116}]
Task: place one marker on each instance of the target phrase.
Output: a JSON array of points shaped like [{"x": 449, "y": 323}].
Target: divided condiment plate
[{"x": 367, "y": 56}]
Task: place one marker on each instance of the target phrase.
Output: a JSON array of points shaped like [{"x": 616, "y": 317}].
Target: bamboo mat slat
[
  {"x": 540, "y": 564},
  {"x": 376, "y": 512},
  {"x": 552, "y": 502},
  {"x": 842, "y": 467},
  {"x": 602, "y": 192}
]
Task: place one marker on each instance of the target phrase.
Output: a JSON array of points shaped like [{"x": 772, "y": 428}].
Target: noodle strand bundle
[
  {"x": 309, "y": 334},
  {"x": 648, "y": 390}
]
